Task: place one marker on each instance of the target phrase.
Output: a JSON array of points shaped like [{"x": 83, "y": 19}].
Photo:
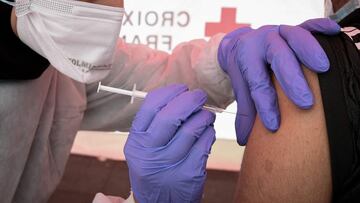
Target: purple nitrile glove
[
  {"x": 245, "y": 55},
  {"x": 168, "y": 146}
]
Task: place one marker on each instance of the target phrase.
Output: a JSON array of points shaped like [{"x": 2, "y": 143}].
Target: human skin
[
  {"x": 292, "y": 164},
  {"x": 337, "y": 4},
  {"x": 114, "y": 3}
]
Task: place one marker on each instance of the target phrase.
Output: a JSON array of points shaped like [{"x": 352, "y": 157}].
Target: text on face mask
[{"x": 86, "y": 66}]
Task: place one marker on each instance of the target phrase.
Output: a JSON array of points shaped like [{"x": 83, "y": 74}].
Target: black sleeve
[
  {"x": 18, "y": 61},
  {"x": 352, "y": 19}
]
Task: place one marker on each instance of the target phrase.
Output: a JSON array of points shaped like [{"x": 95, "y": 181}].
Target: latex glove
[
  {"x": 168, "y": 146},
  {"x": 245, "y": 55}
]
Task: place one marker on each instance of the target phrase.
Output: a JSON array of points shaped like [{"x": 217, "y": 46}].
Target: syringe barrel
[{"x": 140, "y": 94}]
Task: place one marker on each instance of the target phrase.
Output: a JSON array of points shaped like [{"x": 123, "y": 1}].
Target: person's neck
[
  {"x": 337, "y": 4},
  {"x": 13, "y": 22}
]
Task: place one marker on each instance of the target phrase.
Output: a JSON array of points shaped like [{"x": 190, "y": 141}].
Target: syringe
[{"x": 139, "y": 94}]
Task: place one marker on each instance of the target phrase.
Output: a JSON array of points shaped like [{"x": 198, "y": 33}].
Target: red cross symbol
[{"x": 227, "y": 23}]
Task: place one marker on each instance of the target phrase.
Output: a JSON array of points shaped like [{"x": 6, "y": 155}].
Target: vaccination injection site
[{"x": 135, "y": 101}]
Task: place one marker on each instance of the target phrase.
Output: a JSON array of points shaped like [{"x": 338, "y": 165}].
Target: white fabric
[
  {"x": 78, "y": 38},
  {"x": 352, "y": 32},
  {"x": 193, "y": 63},
  {"x": 101, "y": 198},
  {"x": 40, "y": 118},
  {"x": 328, "y": 8}
]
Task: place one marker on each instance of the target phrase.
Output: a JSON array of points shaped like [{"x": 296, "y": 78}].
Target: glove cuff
[{"x": 226, "y": 46}]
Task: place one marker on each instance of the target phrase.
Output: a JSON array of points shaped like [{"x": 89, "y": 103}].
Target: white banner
[{"x": 162, "y": 24}]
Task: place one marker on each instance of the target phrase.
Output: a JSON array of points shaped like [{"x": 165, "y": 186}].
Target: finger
[
  {"x": 262, "y": 92},
  {"x": 153, "y": 103},
  {"x": 321, "y": 25},
  {"x": 288, "y": 72},
  {"x": 201, "y": 150},
  {"x": 187, "y": 135},
  {"x": 168, "y": 120},
  {"x": 206, "y": 140},
  {"x": 245, "y": 115},
  {"x": 306, "y": 47},
  {"x": 194, "y": 166}
]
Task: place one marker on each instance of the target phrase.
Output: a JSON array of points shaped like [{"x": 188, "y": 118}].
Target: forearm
[{"x": 193, "y": 63}]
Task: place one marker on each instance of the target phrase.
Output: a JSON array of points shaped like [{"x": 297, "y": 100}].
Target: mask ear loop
[{"x": 11, "y": 3}]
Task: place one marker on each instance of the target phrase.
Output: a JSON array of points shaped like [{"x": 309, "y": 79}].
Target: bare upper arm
[{"x": 293, "y": 164}]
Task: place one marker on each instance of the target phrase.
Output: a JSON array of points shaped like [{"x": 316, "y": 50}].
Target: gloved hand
[
  {"x": 168, "y": 146},
  {"x": 245, "y": 55}
]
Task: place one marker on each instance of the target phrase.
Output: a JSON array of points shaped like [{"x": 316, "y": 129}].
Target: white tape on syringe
[{"x": 133, "y": 94}]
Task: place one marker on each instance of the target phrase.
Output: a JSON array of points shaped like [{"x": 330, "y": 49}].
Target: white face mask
[{"x": 78, "y": 38}]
